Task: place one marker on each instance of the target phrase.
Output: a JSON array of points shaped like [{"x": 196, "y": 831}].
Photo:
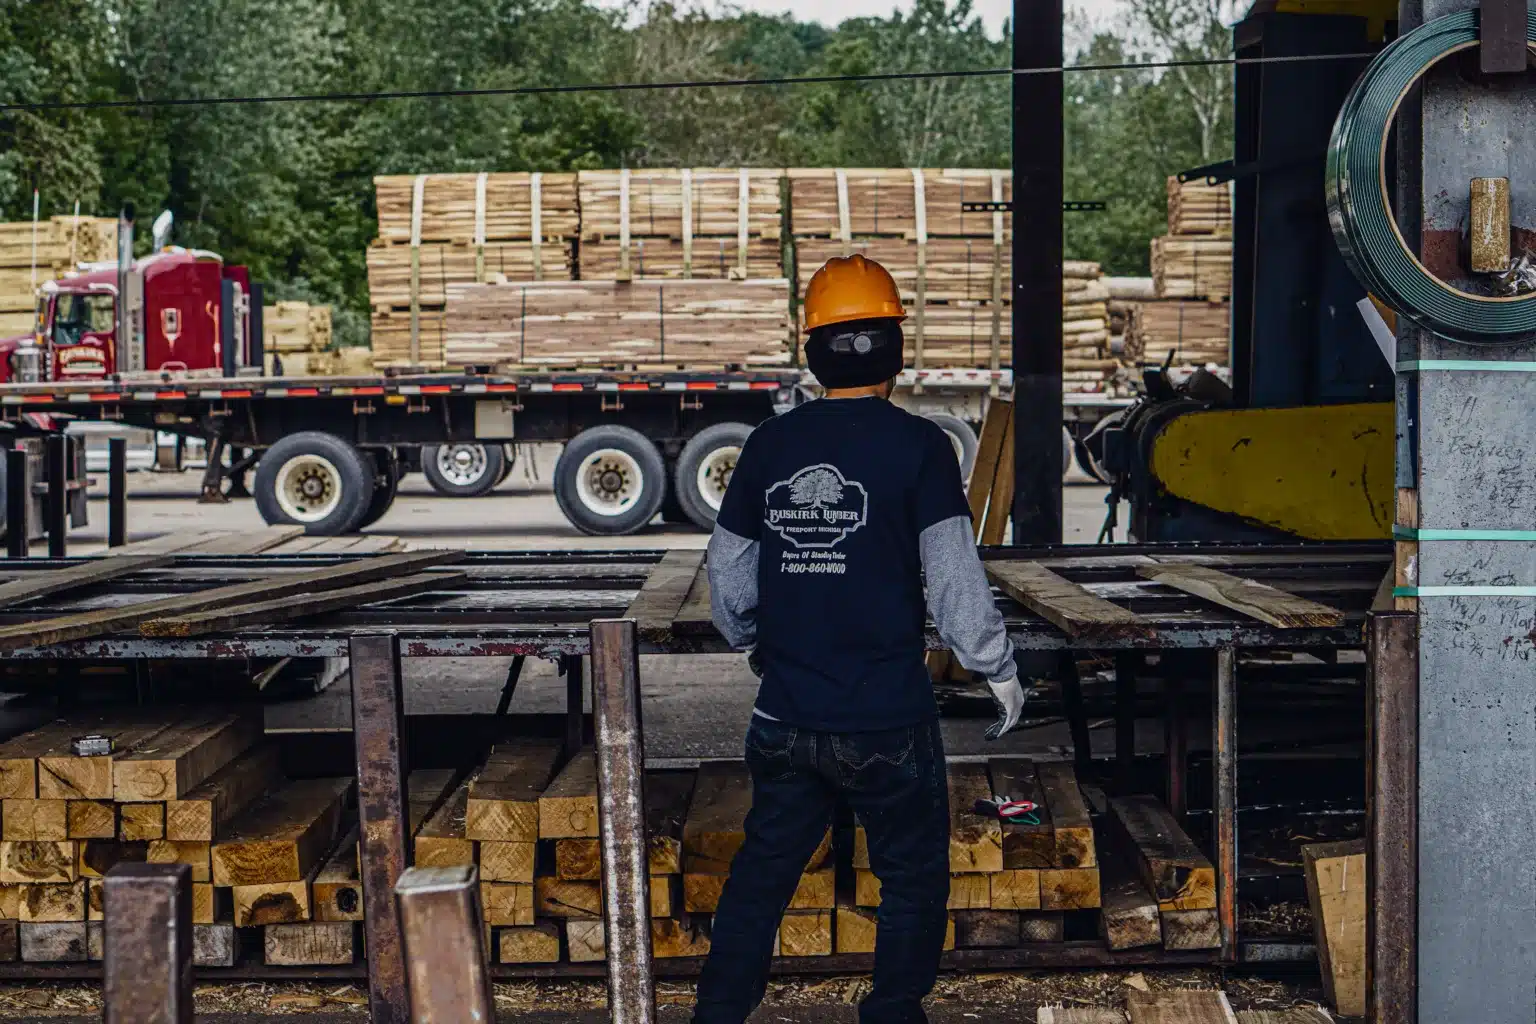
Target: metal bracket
[
  {"x": 604, "y": 404},
  {"x": 1224, "y": 171},
  {"x": 362, "y": 408}
]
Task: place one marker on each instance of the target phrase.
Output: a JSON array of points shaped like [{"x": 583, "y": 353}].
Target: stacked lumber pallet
[
  {"x": 1197, "y": 208},
  {"x": 1087, "y": 363},
  {"x": 1194, "y": 260},
  {"x": 31, "y": 254},
  {"x": 1193, "y": 333},
  {"x": 681, "y": 223},
  {"x": 619, "y": 324},
  {"x": 439, "y": 230},
  {"x": 296, "y": 327}
]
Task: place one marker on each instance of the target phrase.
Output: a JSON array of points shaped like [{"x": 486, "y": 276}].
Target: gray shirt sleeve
[
  {"x": 960, "y": 599},
  {"x": 733, "y": 587}
]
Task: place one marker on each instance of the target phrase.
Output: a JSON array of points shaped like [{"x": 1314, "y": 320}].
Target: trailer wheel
[
  {"x": 961, "y": 436},
  {"x": 704, "y": 470},
  {"x": 510, "y": 453},
  {"x": 610, "y": 480},
  {"x": 386, "y": 486},
  {"x": 463, "y": 470},
  {"x": 314, "y": 480}
]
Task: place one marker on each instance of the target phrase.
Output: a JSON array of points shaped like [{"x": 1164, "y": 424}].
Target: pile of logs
[
  {"x": 31, "y": 254},
  {"x": 1087, "y": 363},
  {"x": 1194, "y": 333}
]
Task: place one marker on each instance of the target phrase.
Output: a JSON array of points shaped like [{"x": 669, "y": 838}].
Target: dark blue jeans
[{"x": 894, "y": 780}]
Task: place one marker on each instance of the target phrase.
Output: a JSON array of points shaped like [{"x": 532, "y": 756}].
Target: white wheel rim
[
  {"x": 955, "y": 443},
  {"x": 308, "y": 488},
  {"x": 461, "y": 464},
  {"x": 609, "y": 482},
  {"x": 714, "y": 474}
]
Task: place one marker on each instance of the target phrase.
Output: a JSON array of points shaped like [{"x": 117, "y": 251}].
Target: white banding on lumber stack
[
  {"x": 920, "y": 207},
  {"x": 844, "y": 221},
  {"x": 687, "y": 215},
  {"x": 743, "y": 206},
  {"x": 418, "y": 190},
  {"x": 536, "y": 232},
  {"x": 624, "y": 270}
]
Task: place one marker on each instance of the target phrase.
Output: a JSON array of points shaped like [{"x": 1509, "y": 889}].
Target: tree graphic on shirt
[{"x": 818, "y": 488}]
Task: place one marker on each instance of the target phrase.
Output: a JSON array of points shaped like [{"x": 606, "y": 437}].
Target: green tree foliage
[{"x": 285, "y": 185}]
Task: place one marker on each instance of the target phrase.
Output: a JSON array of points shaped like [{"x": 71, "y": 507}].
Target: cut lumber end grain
[
  {"x": 503, "y": 798},
  {"x": 199, "y": 814},
  {"x": 1248, "y": 597},
  {"x": 514, "y": 862},
  {"x": 568, "y": 805},
  {"x": 1071, "y": 822},
  {"x": 215, "y": 945},
  {"x": 180, "y": 758},
  {"x": 1129, "y": 917},
  {"x": 34, "y": 820},
  {"x": 854, "y": 930},
  {"x": 664, "y": 893},
  {"x": 38, "y": 862},
  {"x": 1069, "y": 888},
  {"x": 440, "y": 842},
  {"x": 556, "y": 898},
  {"x": 1191, "y": 929},
  {"x": 507, "y": 903},
  {"x": 1016, "y": 889},
  {"x": 538, "y": 943},
  {"x": 197, "y": 856},
  {"x": 1336, "y": 891},
  {"x": 576, "y": 860},
  {"x": 96, "y": 857},
  {"x": 667, "y": 795},
  {"x": 986, "y": 929},
  {"x": 60, "y": 942},
  {"x": 971, "y": 891},
  {"x": 284, "y": 835},
  {"x": 672, "y": 938},
  {"x": 64, "y": 901},
  {"x": 816, "y": 890},
  {"x": 701, "y": 893},
  {"x": 584, "y": 941},
  {"x": 866, "y": 888},
  {"x": 309, "y": 944},
  {"x": 271, "y": 903},
  {"x": 806, "y": 933},
  {"x": 140, "y": 822},
  {"x": 91, "y": 819}
]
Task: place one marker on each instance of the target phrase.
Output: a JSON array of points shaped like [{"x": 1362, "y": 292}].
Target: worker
[{"x": 835, "y": 514}]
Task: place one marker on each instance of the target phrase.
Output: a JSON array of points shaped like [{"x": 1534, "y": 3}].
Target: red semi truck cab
[{"x": 185, "y": 312}]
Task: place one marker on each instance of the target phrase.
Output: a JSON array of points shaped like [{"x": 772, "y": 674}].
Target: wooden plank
[
  {"x": 34, "y": 819},
  {"x": 672, "y": 938},
  {"x": 514, "y": 862},
  {"x": 82, "y": 625},
  {"x": 140, "y": 822},
  {"x": 537, "y": 944},
  {"x": 283, "y": 836},
  {"x": 440, "y": 841},
  {"x": 503, "y": 799},
  {"x": 1247, "y": 597},
  {"x": 270, "y": 903},
  {"x": 96, "y": 857},
  {"x": 10, "y": 902},
  {"x": 91, "y": 819},
  {"x": 556, "y": 898},
  {"x": 866, "y": 888},
  {"x": 986, "y": 929},
  {"x": 1185, "y": 930},
  {"x": 199, "y": 814},
  {"x": 806, "y": 933},
  {"x": 308, "y": 945},
  {"x": 717, "y": 814},
  {"x": 1179, "y": 1006},
  {"x": 245, "y": 542},
  {"x": 696, "y": 611},
  {"x": 206, "y": 901},
  {"x": 197, "y": 856},
  {"x": 53, "y": 902},
  {"x": 286, "y": 609},
  {"x": 975, "y": 842},
  {"x": 62, "y": 775},
  {"x": 38, "y": 862},
  {"x": 1078, "y": 1015},
  {"x": 168, "y": 543},
  {"x": 854, "y": 929},
  {"x": 1042, "y": 926},
  {"x": 664, "y": 895},
  {"x": 701, "y": 893},
  {"x": 1295, "y": 1015},
  {"x": 1071, "y": 824},
  {"x": 995, "y": 426},
  {"x": 1000, "y": 501},
  {"x": 215, "y": 945},
  {"x": 970, "y": 891},
  {"x": 817, "y": 890},
  {"x": 29, "y": 586},
  {"x": 584, "y": 941},
  {"x": 1075, "y": 611},
  {"x": 1069, "y": 888},
  {"x": 568, "y": 805},
  {"x": 336, "y": 894},
  {"x": 507, "y": 903},
  {"x": 666, "y": 588},
  {"x": 1015, "y": 889},
  {"x": 58, "y": 942},
  {"x": 576, "y": 860},
  {"x": 182, "y": 757},
  {"x": 1129, "y": 918},
  {"x": 1335, "y": 877},
  {"x": 1173, "y": 868},
  {"x": 1024, "y": 845}
]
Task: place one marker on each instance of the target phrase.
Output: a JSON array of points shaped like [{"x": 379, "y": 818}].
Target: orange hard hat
[{"x": 851, "y": 288}]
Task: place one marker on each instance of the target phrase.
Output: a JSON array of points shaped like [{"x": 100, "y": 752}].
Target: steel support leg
[
  {"x": 1392, "y": 813},
  {"x": 621, "y": 818},
  {"x": 213, "y": 475},
  {"x": 378, "y": 727},
  {"x": 509, "y": 688},
  {"x": 442, "y": 924},
  {"x": 1077, "y": 717},
  {"x": 1224, "y": 790},
  {"x": 17, "y": 500},
  {"x": 148, "y": 940},
  {"x": 1175, "y": 738},
  {"x": 1125, "y": 716},
  {"x": 117, "y": 492},
  {"x": 575, "y": 705},
  {"x": 57, "y": 454}
]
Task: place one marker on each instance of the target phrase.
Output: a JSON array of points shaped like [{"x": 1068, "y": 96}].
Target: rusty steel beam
[
  {"x": 621, "y": 820},
  {"x": 1392, "y": 819},
  {"x": 441, "y": 921},
  {"x": 1224, "y": 797},
  {"x": 378, "y": 728},
  {"x": 148, "y": 940}
]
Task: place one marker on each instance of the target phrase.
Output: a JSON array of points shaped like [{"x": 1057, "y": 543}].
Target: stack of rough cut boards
[
  {"x": 1189, "y": 318},
  {"x": 181, "y": 785},
  {"x": 31, "y": 254}
]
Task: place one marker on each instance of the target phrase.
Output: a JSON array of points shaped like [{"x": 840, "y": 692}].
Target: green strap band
[
  {"x": 1471, "y": 365},
  {"x": 1464, "y": 591},
  {"x": 1409, "y": 533}
]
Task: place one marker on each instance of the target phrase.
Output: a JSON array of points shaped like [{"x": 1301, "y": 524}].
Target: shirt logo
[{"x": 817, "y": 507}]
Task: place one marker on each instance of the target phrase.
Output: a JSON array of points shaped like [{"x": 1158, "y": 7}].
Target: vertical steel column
[
  {"x": 378, "y": 727},
  {"x": 575, "y": 705},
  {"x": 117, "y": 492},
  {"x": 1392, "y": 819},
  {"x": 57, "y": 454},
  {"x": 1077, "y": 717},
  {"x": 1175, "y": 739},
  {"x": 1125, "y": 715},
  {"x": 621, "y": 819},
  {"x": 17, "y": 501},
  {"x": 444, "y": 934},
  {"x": 1224, "y": 797},
  {"x": 1037, "y": 256},
  {"x": 148, "y": 944}
]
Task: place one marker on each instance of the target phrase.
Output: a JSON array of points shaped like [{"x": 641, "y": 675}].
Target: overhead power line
[{"x": 623, "y": 87}]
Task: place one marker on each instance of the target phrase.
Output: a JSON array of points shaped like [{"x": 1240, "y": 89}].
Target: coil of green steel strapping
[{"x": 1359, "y": 203}]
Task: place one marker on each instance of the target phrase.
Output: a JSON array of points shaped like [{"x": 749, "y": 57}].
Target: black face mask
[{"x": 856, "y": 354}]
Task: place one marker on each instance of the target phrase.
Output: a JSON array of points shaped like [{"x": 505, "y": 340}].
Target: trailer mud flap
[{"x": 493, "y": 420}]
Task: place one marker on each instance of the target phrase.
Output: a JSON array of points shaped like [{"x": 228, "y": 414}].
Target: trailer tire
[
  {"x": 463, "y": 470},
  {"x": 386, "y": 485},
  {"x": 704, "y": 470},
  {"x": 314, "y": 480},
  {"x": 610, "y": 480},
  {"x": 510, "y": 453},
  {"x": 962, "y": 437}
]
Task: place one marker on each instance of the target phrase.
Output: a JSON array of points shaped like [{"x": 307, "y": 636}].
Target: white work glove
[{"x": 1009, "y": 696}]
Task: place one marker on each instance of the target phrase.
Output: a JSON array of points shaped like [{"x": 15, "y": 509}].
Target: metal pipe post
[
  {"x": 57, "y": 453},
  {"x": 1175, "y": 739},
  {"x": 17, "y": 498},
  {"x": 1077, "y": 717},
  {"x": 1224, "y": 790},
  {"x": 1392, "y": 819},
  {"x": 621, "y": 820},
  {"x": 575, "y": 705},
  {"x": 117, "y": 492},
  {"x": 148, "y": 940},
  {"x": 1125, "y": 715},
  {"x": 441, "y": 922},
  {"x": 378, "y": 729}
]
